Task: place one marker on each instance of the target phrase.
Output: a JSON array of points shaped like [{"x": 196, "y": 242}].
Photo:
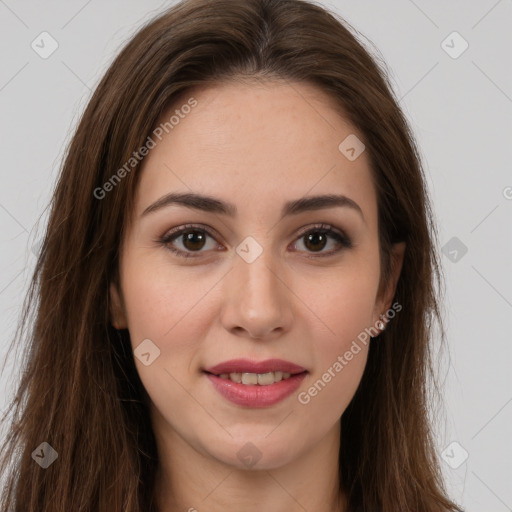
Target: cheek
[
  {"x": 168, "y": 307},
  {"x": 345, "y": 304},
  {"x": 171, "y": 310},
  {"x": 341, "y": 356},
  {"x": 156, "y": 296}
]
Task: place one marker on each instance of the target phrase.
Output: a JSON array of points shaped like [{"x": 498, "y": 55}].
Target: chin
[{"x": 253, "y": 452}]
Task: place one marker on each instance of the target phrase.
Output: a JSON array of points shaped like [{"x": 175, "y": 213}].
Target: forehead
[{"x": 255, "y": 144}]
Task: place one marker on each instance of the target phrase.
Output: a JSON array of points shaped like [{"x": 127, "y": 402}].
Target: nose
[{"x": 256, "y": 299}]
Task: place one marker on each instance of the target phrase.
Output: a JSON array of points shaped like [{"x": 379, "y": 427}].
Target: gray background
[{"x": 460, "y": 110}]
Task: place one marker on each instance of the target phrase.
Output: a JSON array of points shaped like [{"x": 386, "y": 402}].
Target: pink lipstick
[{"x": 256, "y": 383}]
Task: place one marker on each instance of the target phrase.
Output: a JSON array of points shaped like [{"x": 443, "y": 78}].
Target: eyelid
[
  {"x": 320, "y": 226},
  {"x": 189, "y": 227}
]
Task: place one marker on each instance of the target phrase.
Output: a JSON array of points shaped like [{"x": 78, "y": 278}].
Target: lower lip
[{"x": 256, "y": 395}]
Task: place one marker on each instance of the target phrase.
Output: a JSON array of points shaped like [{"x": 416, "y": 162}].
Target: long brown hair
[{"x": 80, "y": 391}]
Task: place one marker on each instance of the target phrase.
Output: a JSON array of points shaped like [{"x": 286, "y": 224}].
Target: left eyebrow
[{"x": 213, "y": 205}]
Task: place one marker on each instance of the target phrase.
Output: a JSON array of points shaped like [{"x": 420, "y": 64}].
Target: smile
[{"x": 255, "y": 384}]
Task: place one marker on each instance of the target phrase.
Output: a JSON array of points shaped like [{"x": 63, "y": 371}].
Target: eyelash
[{"x": 325, "y": 229}]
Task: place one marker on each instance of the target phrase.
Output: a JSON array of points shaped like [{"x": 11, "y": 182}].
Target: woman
[{"x": 235, "y": 295}]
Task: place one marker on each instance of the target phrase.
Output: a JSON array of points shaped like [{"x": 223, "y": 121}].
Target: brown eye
[
  {"x": 315, "y": 241},
  {"x": 317, "y": 238},
  {"x": 192, "y": 239}
]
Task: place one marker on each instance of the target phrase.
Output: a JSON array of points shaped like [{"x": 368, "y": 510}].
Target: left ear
[{"x": 387, "y": 292}]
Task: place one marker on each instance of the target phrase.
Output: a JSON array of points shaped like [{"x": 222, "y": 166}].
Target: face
[{"x": 200, "y": 286}]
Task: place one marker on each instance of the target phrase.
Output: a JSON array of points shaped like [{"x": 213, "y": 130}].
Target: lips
[
  {"x": 248, "y": 366},
  {"x": 256, "y": 383}
]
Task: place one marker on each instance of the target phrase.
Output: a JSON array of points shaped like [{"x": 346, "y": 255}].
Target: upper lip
[{"x": 248, "y": 366}]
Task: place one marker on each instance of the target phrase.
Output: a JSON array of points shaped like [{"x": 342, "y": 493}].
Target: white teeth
[
  {"x": 236, "y": 377},
  {"x": 264, "y": 379},
  {"x": 252, "y": 379},
  {"x": 249, "y": 378}
]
